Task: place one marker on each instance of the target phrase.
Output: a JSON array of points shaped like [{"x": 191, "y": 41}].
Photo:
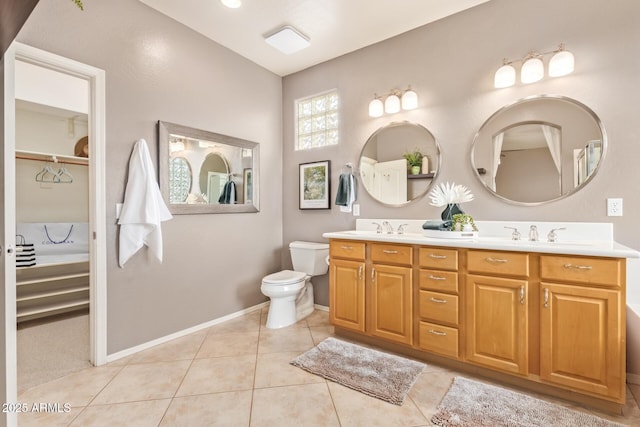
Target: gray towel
[
  {"x": 344, "y": 188},
  {"x": 437, "y": 225}
]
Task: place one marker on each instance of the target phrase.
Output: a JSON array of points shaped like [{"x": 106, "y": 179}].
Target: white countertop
[{"x": 589, "y": 239}]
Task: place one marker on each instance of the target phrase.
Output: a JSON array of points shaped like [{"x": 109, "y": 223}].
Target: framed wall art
[{"x": 315, "y": 185}]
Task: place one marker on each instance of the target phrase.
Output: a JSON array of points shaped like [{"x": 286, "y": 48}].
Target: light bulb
[
  {"x": 505, "y": 76},
  {"x": 532, "y": 70},
  {"x": 561, "y": 64},
  {"x": 232, "y": 4},
  {"x": 376, "y": 109},
  {"x": 392, "y": 104},
  {"x": 409, "y": 100}
]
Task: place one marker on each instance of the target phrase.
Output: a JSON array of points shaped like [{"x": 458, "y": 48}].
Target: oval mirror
[
  {"x": 538, "y": 149},
  {"x": 214, "y": 174},
  {"x": 387, "y": 158},
  {"x": 180, "y": 180}
]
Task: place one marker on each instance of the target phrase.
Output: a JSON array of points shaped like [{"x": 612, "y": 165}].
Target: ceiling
[{"x": 335, "y": 27}]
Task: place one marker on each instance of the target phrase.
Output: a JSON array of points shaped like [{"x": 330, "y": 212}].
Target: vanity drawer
[
  {"x": 347, "y": 249},
  {"x": 439, "y": 307},
  {"x": 391, "y": 254},
  {"x": 439, "y": 339},
  {"x": 498, "y": 263},
  {"x": 592, "y": 271},
  {"x": 441, "y": 259},
  {"x": 443, "y": 281}
]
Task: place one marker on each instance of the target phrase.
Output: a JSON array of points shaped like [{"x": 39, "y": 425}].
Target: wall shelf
[
  {"x": 421, "y": 176},
  {"x": 50, "y": 289}
]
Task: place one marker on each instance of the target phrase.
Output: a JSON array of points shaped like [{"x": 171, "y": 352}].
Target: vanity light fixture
[
  {"x": 393, "y": 102},
  {"x": 287, "y": 40},
  {"x": 562, "y": 63}
]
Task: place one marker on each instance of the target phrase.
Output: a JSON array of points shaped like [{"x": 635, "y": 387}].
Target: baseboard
[
  {"x": 633, "y": 378},
  {"x": 321, "y": 307},
  {"x": 129, "y": 351}
]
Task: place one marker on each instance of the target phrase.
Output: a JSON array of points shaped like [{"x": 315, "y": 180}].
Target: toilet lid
[{"x": 284, "y": 277}]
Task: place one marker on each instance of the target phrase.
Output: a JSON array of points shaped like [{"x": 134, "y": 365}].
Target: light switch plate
[
  {"x": 356, "y": 209},
  {"x": 614, "y": 207},
  {"x": 118, "y": 210}
]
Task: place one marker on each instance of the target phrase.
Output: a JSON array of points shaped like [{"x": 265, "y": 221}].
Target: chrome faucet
[
  {"x": 388, "y": 227},
  {"x": 533, "y": 233},
  {"x": 552, "y": 236},
  {"x": 401, "y": 228},
  {"x": 515, "y": 235},
  {"x": 378, "y": 227}
]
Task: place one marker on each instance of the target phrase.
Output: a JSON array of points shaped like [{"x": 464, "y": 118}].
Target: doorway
[{"x": 16, "y": 56}]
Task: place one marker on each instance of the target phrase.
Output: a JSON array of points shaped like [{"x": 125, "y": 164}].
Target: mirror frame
[
  {"x": 433, "y": 179},
  {"x": 579, "y": 104},
  {"x": 165, "y": 129}
]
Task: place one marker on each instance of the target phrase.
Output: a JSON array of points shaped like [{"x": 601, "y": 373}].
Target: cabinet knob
[
  {"x": 437, "y": 256},
  {"x": 388, "y": 251},
  {"x": 496, "y": 260},
  {"x": 522, "y": 294},
  {"x": 437, "y": 300},
  {"x": 432, "y": 277},
  {"x": 439, "y": 333}
]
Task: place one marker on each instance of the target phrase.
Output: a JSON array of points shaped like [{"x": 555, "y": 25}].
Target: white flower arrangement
[{"x": 448, "y": 193}]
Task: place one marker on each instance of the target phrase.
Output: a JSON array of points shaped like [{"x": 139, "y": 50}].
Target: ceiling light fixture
[
  {"x": 393, "y": 101},
  {"x": 232, "y": 4},
  {"x": 562, "y": 63},
  {"x": 287, "y": 40}
]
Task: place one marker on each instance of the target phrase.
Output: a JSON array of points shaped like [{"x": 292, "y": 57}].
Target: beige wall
[
  {"x": 450, "y": 64},
  {"x": 157, "y": 69}
]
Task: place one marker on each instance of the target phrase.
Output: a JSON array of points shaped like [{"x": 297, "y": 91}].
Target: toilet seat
[{"x": 284, "y": 277}]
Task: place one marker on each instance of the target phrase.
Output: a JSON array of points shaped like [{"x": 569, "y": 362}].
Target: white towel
[
  {"x": 143, "y": 207},
  {"x": 351, "y": 196}
]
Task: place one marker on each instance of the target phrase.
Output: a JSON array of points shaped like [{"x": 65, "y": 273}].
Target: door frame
[{"x": 97, "y": 201}]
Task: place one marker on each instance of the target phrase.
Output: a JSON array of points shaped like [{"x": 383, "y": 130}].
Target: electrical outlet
[
  {"x": 614, "y": 207},
  {"x": 356, "y": 209}
]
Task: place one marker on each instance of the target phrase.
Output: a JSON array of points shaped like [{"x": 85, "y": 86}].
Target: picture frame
[
  {"x": 247, "y": 176},
  {"x": 315, "y": 185}
]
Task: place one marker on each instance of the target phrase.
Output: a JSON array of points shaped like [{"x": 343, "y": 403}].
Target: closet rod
[{"x": 52, "y": 158}]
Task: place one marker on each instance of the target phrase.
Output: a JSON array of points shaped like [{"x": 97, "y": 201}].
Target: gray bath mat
[
  {"x": 371, "y": 372},
  {"x": 471, "y": 403}
]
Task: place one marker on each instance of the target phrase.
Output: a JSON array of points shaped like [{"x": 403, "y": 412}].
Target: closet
[{"x": 52, "y": 200}]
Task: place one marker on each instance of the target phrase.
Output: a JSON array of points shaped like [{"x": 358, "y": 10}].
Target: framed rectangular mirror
[{"x": 206, "y": 172}]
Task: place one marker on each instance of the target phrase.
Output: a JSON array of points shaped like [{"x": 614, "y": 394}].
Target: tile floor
[{"x": 236, "y": 374}]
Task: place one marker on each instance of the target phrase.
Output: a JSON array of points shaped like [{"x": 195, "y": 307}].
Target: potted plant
[{"x": 414, "y": 160}]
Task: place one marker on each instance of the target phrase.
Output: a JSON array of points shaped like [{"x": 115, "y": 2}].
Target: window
[{"x": 317, "y": 121}]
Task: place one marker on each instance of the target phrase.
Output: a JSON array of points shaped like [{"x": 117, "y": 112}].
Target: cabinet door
[
  {"x": 580, "y": 338},
  {"x": 391, "y": 303},
  {"x": 497, "y": 323},
  {"x": 346, "y": 294}
]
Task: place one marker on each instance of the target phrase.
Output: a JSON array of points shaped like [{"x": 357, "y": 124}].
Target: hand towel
[
  {"x": 346, "y": 194},
  {"x": 437, "y": 225},
  {"x": 143, "y": 209}
]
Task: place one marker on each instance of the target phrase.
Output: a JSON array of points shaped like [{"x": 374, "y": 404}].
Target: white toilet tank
[{"x": 309, "y": 257}]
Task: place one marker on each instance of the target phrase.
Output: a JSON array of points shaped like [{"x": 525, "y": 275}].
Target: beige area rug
[
  {"x": 371, "y": 372},
  {"x": 51, "y": 348},
  {"x": 471, "y": 403}
]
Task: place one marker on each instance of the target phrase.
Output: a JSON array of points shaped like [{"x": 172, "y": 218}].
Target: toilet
[{"x": 291, "y": 292}]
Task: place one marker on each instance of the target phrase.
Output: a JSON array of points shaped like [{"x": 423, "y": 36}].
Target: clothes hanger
[{"x": 64, "y": 175}]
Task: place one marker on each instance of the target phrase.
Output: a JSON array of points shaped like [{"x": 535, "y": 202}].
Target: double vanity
[{"x": 544, "y": 315}]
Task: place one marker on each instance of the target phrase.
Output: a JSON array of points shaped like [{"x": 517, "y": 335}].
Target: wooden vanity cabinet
[
  {"x": 557, "y": 320},
  {"x": 581, "y": 327},
  {"x": 347, "y": 284},
  {"x": 439, "y": 307},
  {"x": 497, "y": 310},
  {"x": 392, "y": 292}
]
